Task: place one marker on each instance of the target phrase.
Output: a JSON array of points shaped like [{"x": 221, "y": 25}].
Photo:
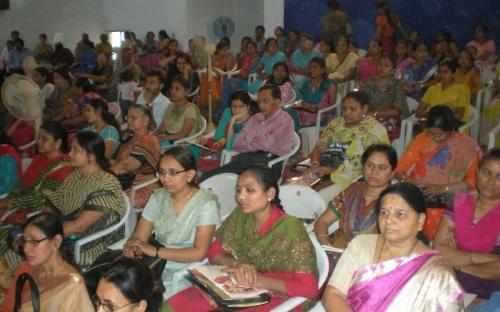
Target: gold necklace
[{"x": 380, "y": 254}]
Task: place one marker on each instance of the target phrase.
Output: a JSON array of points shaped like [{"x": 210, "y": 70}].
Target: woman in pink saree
[{"x": 394, "y": 270}]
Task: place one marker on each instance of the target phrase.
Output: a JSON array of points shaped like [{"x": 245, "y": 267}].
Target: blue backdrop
[{"x": 427, "y": 16}]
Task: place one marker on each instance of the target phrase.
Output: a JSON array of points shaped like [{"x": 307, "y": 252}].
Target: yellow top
[{"x": 455, "y": 96}]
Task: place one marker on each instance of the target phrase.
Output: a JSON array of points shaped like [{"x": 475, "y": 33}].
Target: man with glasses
[{"x": 267, "y": 135}]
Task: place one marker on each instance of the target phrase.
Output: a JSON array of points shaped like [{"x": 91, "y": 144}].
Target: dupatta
[{"x": 379, "y": 286}]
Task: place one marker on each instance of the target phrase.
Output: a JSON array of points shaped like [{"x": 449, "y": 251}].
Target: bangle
[
  {"x": 323, "y": 235},
  {"x": 157, "y": 251},
  {"x": 446, "y": 188}
]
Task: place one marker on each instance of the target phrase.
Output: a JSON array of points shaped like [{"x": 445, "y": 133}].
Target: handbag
[
  {"x": 106, "y": 260},
  {"x": 35, "y": 294}
]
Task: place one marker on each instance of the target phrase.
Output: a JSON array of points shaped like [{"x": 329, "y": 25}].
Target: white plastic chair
[
  {"x": 310, "y": 135},
  {"x": 473, "y": 124},
  {"x": 194, "y": 94},
  {"x": 191, "y": 138},
  {"x": 25, "y": 147},
  {"x": 301, "y": 201},
  {"x": 227, "y": 155},
  {"x": 491, "y": 136},
  {"x": 90, "y": 238},
  {"x": 252, "y": 78},
  {"x": 135, "y": 188},
  {"x": 323, "y": 267},
  {"x": 115, "y": 109},
  {"x": 224, "y": 186}
]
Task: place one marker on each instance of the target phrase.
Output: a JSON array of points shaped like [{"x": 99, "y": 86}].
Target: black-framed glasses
[
  {"x": 33, "y": 242},
  {"x": 107, "y": 307},
  {"x": 171, "y": 172}
]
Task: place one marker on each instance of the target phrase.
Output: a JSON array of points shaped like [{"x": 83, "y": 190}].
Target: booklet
[{"x": 224, "y": 289}]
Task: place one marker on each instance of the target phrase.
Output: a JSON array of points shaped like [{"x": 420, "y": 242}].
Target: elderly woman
[
  {"x": 469, "y": 237},
  {"x": 339, "y": 149},
  {"x": 182, "y": 216},
  {"x": 355, "y": 207},
  {"x": 261, "y": 247},
  {"x": 138, "y": 155},
  {"x": 394, "y": 270},
  {"x": 102, "y": 75},
  {"x": 341, "y": 66},
  {"x": 439, "y": 159},
  {"x": 301, "y": 57}
]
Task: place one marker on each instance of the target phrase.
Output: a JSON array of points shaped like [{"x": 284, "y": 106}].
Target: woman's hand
[
  {"x": 239, "y": 118},
  {"x": 244, "y": 274},
  {"x": 140, "y": 248},
  {"x": 319, "y": 170},
  {"x": 324, "y": 239}
]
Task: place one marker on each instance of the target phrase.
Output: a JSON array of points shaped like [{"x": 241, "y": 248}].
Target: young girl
[{"x": 127, "y": 90}]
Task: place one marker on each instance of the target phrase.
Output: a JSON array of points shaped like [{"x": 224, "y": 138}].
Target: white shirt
[{"x": 159, "y": 104}]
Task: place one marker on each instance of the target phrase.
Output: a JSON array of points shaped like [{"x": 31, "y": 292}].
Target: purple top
[{"x": 273, "y": 134}]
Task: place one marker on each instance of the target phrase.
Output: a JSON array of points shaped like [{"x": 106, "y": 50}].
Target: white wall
[
  {"x": 71, "y": 17},
  {"x": 183, "y": 18}
]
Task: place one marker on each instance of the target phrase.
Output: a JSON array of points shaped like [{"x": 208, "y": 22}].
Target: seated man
[
  {"x": 17, "y": 55},
  {"x": 267, "y": 135},
  {"x": 153, "y": 97}
]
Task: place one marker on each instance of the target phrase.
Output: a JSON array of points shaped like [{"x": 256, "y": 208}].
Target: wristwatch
[{"x": 157, "y": 251}]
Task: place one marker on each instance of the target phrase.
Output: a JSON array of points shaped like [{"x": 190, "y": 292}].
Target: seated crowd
[{"x": 131, "y": 145}]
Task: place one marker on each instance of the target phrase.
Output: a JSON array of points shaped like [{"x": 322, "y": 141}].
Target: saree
[
  {"x": 148, "y": 152},
  {"x": 43, "y": 176},
  {"x": 414, "y": 75},
  {"x": 475, "y": 235},
  {"x": 65, "y": 291},
  {"x": 98, "y": 192},
  {"x": 452, "y": 161},
  {"x": 417, "y": 282},
  {"x": 280, "y": 249},
  {"x": 356, "y": 215}
]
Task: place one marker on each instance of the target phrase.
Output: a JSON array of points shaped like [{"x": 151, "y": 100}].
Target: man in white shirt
[{"x": 153, "y": 97}]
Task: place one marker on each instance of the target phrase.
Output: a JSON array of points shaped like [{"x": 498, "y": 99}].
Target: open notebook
[{"x": 224, "y": 289}]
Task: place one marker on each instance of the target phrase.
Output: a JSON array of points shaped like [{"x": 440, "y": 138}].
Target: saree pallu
[
  {"x": 65, "y": 292},
  {"x": 10, "y": 163},
  {"x": 99, "y": 192},
  {"x": 419, "y": 282},
  {"x": 147, "y": 149},
  {"x": 283, "y": 251},
  {"x": 356, "y": 216},
  {"x": 452, "y": 161}
]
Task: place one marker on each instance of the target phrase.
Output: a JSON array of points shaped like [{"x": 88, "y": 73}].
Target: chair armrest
[
  {"x": 289, "y": 304},
  {"x": 139, "y": 186},
  {"x": 226, "y": 156},
  {"x": 491, "y": 136}
]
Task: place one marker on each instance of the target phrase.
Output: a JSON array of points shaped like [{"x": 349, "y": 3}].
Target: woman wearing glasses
[
  {"x": 138, "y": 155},
  {"x": 440, "y": 159},
  {"x": 127, "y": 286},
  {"x": 60, "y": 285},
  {"x": 182, "y": 216}
]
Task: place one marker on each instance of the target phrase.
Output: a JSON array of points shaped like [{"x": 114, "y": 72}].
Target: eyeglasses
[
  {"x": 33, "y": 242},
  {"x": 171, "y": 172},
  {"x": 107, "y": 307}
]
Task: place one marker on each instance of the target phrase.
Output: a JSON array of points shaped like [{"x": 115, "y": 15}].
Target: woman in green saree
[{"x": 261, "y": 247}]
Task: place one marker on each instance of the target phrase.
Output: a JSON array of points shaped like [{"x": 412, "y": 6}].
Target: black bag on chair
[
  {"x": 35, "y": 294},
  {"x": 106, "y": 260}
]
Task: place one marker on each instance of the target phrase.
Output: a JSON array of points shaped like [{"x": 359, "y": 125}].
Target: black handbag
[
  {"x": 106, "y": 260},
  {"x": 35, "y": 294}
]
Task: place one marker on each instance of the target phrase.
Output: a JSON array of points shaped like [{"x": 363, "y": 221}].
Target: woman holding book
[{"x": 260, "y": 246}]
